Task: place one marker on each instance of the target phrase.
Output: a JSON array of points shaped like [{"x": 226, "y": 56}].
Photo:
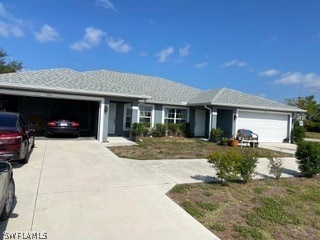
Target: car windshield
[{"x": 7, "y": 120}]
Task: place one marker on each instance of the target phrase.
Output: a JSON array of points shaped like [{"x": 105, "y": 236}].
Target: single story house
[{"x": 108, "y": 102}]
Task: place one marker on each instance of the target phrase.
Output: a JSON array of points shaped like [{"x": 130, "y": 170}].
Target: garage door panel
[{"x": 270, "y": 127}]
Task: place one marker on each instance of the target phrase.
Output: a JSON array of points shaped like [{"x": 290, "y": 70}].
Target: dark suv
[{"x": 16, "y": 137}]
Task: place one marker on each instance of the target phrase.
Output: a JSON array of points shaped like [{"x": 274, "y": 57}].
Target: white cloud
[
  {"x": 106, "y": 4},
  {"x": 269, "y": 73},
  {"x": 9, "y": 24},
  {"x": 184, "y": 51},
  {"x": 118, "y": 45},
  {"x": 164, "y": 54},
  {"x": 47, "y": 34},
  {"x": 234, "y": 62},
  {"x": 91, "y": 39},
  {"x": 201, "y": 65},
  {"x": 309, "y": 81},
  {"x": 143, "y": 54}
]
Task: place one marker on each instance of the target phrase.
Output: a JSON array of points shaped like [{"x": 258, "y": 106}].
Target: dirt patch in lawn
[
  {"x": 179, "y": 148},
  {"x": 261, "y": 209}
]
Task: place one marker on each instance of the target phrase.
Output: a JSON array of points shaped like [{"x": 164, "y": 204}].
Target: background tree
[
  {"x": 8, "y": 67},
  {"x": 309, "y": 104}
]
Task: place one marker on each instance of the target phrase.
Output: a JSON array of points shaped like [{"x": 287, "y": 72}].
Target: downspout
[{"x": 210, "y": 120}]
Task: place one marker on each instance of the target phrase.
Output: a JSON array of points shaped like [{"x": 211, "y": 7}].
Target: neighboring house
[{"x": 108, "y": 102}]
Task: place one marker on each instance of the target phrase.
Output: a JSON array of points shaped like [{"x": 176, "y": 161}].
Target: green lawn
[
  {"x": 315, "y": 135},
  {"x": 260, "y": 209},
  {"x": 178, "y": 148}
]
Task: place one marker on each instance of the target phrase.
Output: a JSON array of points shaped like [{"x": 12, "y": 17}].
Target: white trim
[
  {"x": 135, "y": 108},
  {"x": 101, "y": 120},
  {"x": 152, "y": 112},
  {"x": 175, "y": 107},
  {"x": 50, "y": 95},
  {"x": 261, "y": 111},
  {"x": 125, "y": 116}
]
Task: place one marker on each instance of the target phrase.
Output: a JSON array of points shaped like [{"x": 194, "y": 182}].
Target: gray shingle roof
[
  {"x": 230, "y": 97},
  {"x": 154, "y": 89},
  {"x": 161, "y": 90}
]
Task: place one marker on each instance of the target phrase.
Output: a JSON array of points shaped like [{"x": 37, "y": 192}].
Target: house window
[
  {"x": 127, "y": 116},
  {"x": 175, "y": 115},
  {"x": 145, "y": 116}
]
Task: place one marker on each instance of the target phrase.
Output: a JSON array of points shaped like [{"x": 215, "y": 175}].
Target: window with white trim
[
  {"x": 175, "y": 115},
  {"x": 127, "y": 115},
  {"x": 145, "y": 115}
]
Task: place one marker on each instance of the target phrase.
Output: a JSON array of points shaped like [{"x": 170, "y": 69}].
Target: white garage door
[{"x": 270, "y": 127}]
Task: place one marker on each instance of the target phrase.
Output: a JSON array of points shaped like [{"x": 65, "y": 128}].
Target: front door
[
  {"x": 200, "y": 123},
  {"x": 112, "y": 118}
]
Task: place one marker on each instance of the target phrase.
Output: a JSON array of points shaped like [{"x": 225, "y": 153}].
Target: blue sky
[{"x": 269, "y": 48}]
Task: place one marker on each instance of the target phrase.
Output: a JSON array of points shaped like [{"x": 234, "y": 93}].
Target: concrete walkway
[{"x": 77, "y": 189}]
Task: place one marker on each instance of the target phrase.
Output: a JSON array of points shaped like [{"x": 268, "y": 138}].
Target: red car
[
  {"x": 16, "y": 137},
  {"x": 62, "y": 124}
]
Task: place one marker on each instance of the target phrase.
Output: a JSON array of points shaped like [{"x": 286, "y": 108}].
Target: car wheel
[
  {"x": 33, "y": 142},
  {"x": 9, "y": 202},
  {"x": 26, "y": 158}
]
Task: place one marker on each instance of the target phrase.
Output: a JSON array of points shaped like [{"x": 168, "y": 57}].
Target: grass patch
[
  {"x": 179, "y": 148},
  {"x": 261, "y": 209},
  {"x": 315, "y": 135}
]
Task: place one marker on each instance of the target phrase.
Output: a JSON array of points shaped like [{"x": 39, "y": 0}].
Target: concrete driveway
[{"x": 77, "y": 189}]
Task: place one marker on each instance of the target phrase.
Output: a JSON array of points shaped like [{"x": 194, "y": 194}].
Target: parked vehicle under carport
[{"x": 62, "y": 124}]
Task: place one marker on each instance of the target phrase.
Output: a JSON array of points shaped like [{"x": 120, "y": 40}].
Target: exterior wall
[
  {"x": 192, "y": 118},
  {"x": 119, "y": 120},
  {"x": 158, "y": 114},
  {"x": 225, "y": 121}
]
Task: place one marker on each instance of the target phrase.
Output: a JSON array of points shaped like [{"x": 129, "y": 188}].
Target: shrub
[
  {"x": 232, "y": 165},
  {"x": 137, "y": 129},
  {"x": 185, "y": 129},
  {"x": 216, "y": 135},
  {"x": 275, "y": 166},
  {"x": 312, "y": 126},
  {"x": 160, "y": 130},
  {"x": 226, "y": 164},
  {"x": 248, "y": 165},
  {"x": 173, "y": 129},
  {"x": 299, "y": 133},
  {"x": 308, "y": 157}
]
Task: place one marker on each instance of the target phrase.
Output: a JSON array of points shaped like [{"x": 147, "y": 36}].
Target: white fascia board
[
  {"x": 287, "y": 110},
  {"x": 70, "y": 91}
]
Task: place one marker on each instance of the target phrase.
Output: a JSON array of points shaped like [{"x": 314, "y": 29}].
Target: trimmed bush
[
  {"x": 308, "y": 157},
  {"x": 174, "y": 129},
  {"x": 137, "y": 129},
  {"x": 160, "y": 130},
  {"x": 226, "y": 164},
  {"x": 299, "y": 133},
  {"x": 185, "y": 129},
  {"x": 216, "y": 135},
  {"x": 232, "y": 165},
  {"x": 248, "y": 165}
]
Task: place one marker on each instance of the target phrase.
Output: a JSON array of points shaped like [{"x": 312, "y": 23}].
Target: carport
[{"x": 39, "y": 106}]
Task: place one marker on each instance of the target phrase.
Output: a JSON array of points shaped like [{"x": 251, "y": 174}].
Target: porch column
[
  {"x": 135, "y": 115},
  {"x": 214, "y": 117},
  {"x": 235, "y": 116},
  {"x": 103, "y": 120}
]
